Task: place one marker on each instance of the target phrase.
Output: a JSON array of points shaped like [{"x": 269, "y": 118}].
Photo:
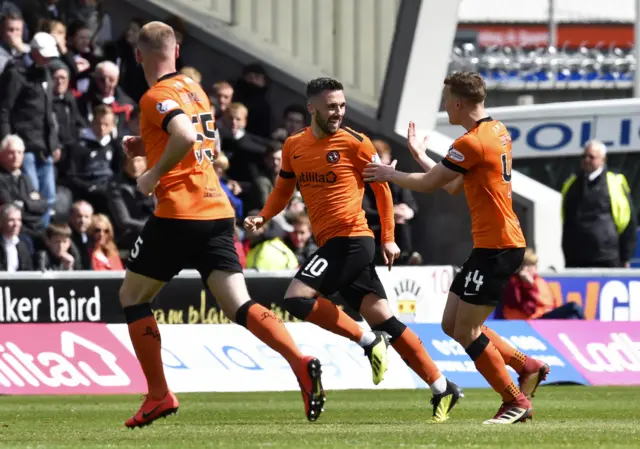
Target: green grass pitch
[{"x": 566, "y": 417}]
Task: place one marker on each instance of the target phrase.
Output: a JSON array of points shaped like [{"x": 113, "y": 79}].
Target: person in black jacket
[
  {"x": 251, "y": 90},
  {"x": 129, "y": 207},
  {"x": 58, "y": 255},
  {"x": 591, "y": 237},
  {"x": 104, "y": 90},
  {"x": 123, "y": 53},
  {"x": 16, "y": 188},
  {"x": 14, "y": 252},
  {"x": 26, "y": 109},
  {"x": 68, "y": 116},
  {"x": 244, "y": 150},
  {"x": 82, "y": 241},
  {"x": 95, "y": 160}
]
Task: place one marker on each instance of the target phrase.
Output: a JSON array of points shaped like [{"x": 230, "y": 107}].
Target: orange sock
[
  {"x": 490, "y": 364},
  {"x": 511, "y": 356},
  {"x": 415, "y": 355},
  {"x": 271, "y": 330},
  {"x": 145, "y": 337},
  {"x": 330, "y": 317}
]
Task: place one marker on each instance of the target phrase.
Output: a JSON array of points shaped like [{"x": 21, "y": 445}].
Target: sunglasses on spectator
[{"x": 100, "y": 230}]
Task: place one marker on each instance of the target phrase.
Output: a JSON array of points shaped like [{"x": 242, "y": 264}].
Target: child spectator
[{"x": 57, "y": 256}]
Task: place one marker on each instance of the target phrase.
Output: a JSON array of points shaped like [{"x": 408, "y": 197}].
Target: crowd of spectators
[{"x": 69, "y": 91}]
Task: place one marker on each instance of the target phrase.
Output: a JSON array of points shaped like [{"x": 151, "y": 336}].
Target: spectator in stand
[
  {"x": 59, "y": 32},
  {"x": 221, "y": 98},
  {"x": 123, "y": 53},
  {"x": 105, "y": 255},
  {"x": 268, "y": 252},
  {"x": 80, "y": 221},
  {"x": 244, "y": 150},
  {"x": 129, "y": 207},
  {"x": 93, "y": 13},
  {"x": 104, "y": 90},
  {"x": 26, "y": 110},
  {"x": 38, "y": 12},
  {"x": 294, "y": 119},
  {"x": 231, "y": 188},
  {"x": 599, "y": 227},
  {"x": 12, "y": 47},
  {"x": 95, "y": 160},
  {"x": 17, "y": 189},
  {"x": 529, "y": 297},
  {"x": 14, "y": 252},
  {"x": 300, "y": 240},
  {"x": 70, "y": 121},
  {"x": 57, "y": 255},
  {"x": 79, "y": 48},
  {"x": 251, "y": 91},
  {"x": 405, "y": 208},
  {"x": 268, "y": 172},
  {"x": 192, "y": 73}
]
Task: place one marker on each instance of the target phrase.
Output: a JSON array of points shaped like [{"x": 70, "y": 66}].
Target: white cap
[{"x": 45, "y": 44}]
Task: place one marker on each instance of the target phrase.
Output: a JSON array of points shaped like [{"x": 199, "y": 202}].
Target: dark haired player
[
  {"x": 326, "y": 161},
  {"x": 479, "y": 162}
]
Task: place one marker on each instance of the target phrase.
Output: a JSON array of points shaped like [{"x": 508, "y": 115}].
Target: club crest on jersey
[
  {"x": 375, "y": 159},
  {"x": 333, "y": 157},
  {"x": 455, "y": 155},
  {"x": 166, "y": 105}
]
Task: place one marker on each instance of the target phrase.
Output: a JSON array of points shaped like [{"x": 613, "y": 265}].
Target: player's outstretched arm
[
  {"x": 434, "y": 179},
  {"x": 419, "y": 152}
]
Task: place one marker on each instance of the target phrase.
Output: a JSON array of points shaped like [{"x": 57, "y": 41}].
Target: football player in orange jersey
[
  {"x": 479, "y": 162},
  {"x": 193, "y": 226},
  {"x": 326, "y": 161}
]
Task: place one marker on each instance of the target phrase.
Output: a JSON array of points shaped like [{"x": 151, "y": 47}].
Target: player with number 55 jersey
[{"x": 193, "y": 227}]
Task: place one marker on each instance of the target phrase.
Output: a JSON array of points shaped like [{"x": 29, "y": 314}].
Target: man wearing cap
[{"x": 26, "y": 109}]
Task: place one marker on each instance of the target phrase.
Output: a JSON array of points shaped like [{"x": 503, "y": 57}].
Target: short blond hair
[
  {"x": 192, "y": 73},
  {"x": 237, "y": 107},
  {"x": 222, "y": 85},
  {"x": 157, "y": 37},
  {"x": 530, "y": 258},
  {"x": 221, "y": 161}
]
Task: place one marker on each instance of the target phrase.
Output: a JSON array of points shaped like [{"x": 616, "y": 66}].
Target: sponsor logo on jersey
[
  {"x": 455, "y": 155},
  {"x": 317, "y": 178},
  {"x": 166, "y": 105}
]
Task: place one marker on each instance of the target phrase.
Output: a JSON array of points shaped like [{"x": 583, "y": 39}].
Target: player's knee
[
  {"x": 126, "y": 296},
  {"x": 298, "y": 289},
  {"x": 299, "y": 307},
  {"x": 466, "y": 335},
  {"x": 393, "y": 326},
  {"x": 448, "y": 327},
  {"x": 374, "y": 309}
]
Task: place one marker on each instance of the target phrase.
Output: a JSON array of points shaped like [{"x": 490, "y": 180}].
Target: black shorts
[
  {"x": 344, "y": 265},
  {"x": 166, "y": 246},
  {"x": 485, "y": 274}
]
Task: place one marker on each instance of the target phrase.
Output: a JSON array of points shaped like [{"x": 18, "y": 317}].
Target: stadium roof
[{"x": 534, "y": 11}]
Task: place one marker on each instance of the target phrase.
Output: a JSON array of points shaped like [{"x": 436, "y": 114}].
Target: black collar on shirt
[
  {"x": 167, "y": 76},
  {"x": 486, "y": 119}
]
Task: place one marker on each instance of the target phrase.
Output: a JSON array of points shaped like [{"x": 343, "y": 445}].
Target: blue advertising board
[
  {"x": 455, "y": 364},
  {"x": 604, "y": 298}
]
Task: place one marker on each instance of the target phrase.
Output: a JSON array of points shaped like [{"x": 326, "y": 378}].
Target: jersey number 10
[
  {"x": 207, "y": 139},
  {"x": 506, "y": 171}
]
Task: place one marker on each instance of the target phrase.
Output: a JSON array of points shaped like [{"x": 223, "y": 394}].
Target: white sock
[
  {"x": 439, "y": 386},
  {"x": 367, "y": 338}
]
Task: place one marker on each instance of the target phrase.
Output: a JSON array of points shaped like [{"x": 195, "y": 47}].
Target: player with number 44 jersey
[
  {"x": 193, "y": 227},
  {"x": 326, "y": 161},
  {"x": 480, "y": 163}
]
